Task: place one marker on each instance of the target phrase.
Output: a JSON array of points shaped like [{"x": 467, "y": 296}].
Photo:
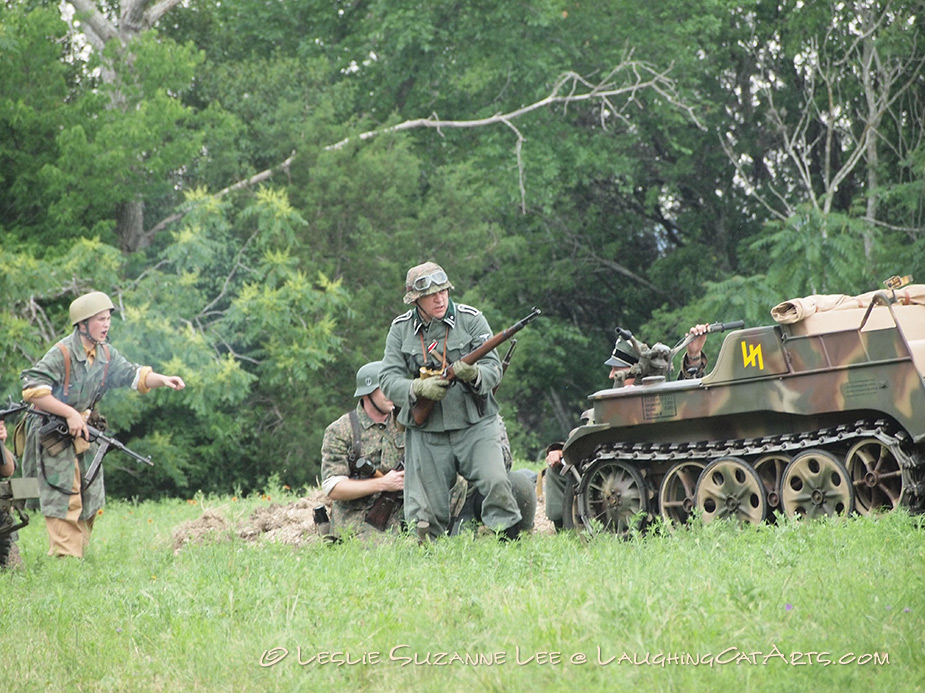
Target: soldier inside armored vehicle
[{"x": 625, "y": 367}]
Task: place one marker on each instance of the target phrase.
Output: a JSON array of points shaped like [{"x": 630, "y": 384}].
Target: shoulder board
[
  {"x": 404, "y": 317},
  {"x": 463, "y": 308}
]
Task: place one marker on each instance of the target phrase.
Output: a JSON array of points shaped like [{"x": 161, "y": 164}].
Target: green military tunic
[
  {"x": 462, "y": 433},
  {"x": 380, "y": 443},
  {"x": 85, "y": 385}
]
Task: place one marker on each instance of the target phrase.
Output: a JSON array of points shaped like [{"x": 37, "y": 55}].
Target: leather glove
[
  {"x": 465, "y": 372},
  {"x": 431, "y": 388}
]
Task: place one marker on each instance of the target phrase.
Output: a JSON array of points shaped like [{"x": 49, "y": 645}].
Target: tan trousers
[{"x": 70, "y": 536}]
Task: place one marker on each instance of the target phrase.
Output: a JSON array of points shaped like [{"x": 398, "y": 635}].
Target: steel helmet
[
  {"x": 424, "y": 280},
  {"x": 368, "y": 378},
  {"x": 88, "y": 305}
]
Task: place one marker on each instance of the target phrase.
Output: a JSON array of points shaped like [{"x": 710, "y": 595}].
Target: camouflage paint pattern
[{"x": 772, "y": 380}]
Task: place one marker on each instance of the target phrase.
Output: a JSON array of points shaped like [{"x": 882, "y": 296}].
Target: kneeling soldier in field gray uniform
[{"x": 461, "y": 433}]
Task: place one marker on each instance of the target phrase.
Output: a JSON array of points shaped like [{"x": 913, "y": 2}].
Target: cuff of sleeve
[
  {"x": 330, "y": 483},
  {"x": 700, "y": 365},
  {"x": 140, "y": 381},
  {"x": 33, "y": 393}
]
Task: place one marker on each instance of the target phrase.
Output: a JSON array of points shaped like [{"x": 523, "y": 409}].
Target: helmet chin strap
[
  {"x": 83, "y": 332},
  {"x": 376, "y": 406}
]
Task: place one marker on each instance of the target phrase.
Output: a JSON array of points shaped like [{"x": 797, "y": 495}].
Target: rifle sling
[{"x": 356, "y": 451}]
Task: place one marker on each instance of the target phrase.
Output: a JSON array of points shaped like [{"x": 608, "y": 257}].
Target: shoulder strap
[
  {"x": 356, "y": 452},
  {"x": 67, "y": 366}
]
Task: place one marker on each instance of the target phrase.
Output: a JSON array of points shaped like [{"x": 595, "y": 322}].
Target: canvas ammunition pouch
[{"x": 18, "y": 440}]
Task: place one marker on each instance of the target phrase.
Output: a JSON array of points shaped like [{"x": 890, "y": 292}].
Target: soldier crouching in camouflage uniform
[
  {"x": 69, "y": 382},
  {"x": 460, "y": 435},
  {"x": 361, "y": 458}
]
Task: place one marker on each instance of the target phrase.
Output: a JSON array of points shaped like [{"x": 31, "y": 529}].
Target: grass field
[{"x": 820, "y": 606}]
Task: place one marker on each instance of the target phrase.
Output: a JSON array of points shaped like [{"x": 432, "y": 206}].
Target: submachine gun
[
  {"x": 423, "y": 406},
  {"x": 58, "y": 426},
  {"x": 12, "y": 408}
]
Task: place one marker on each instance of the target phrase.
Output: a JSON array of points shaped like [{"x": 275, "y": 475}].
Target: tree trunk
[{"x": 130, "y": 225}]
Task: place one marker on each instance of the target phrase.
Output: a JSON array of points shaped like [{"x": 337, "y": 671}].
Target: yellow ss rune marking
[{"x": 752, "y": 356}]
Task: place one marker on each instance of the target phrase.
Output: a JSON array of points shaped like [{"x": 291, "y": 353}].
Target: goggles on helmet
[{"x": 425, "y": 282}]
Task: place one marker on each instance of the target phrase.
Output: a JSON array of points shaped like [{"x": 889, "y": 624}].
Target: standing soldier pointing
[
  {"x": 68, "y": 382},
  {"x": 461, "y": 434}
]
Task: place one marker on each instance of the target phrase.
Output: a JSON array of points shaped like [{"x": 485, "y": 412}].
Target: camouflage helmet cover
[
  {"x": 623, "y": 355},
  {"x": 424, "y": 270},
  {"x": 368, "y": 378},
  {"x": 86, "y": 306}
]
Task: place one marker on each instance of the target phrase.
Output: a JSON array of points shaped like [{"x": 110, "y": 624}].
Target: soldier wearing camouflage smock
[
  {"x": 354, "y": 479},
  {"x": 461, "y": 435},
  {"x": 69, "y": 382}
]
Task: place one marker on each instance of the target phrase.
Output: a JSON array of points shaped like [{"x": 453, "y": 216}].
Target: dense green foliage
[
  {"x": 780, "y": 155},
  {"x": 787, "y": 607}
]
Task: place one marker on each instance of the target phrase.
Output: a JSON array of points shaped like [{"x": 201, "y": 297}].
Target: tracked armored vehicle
[{"x": 821, "y": 414}]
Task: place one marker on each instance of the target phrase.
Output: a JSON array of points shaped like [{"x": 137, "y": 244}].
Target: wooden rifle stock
[{"x": 422, "y": 408}]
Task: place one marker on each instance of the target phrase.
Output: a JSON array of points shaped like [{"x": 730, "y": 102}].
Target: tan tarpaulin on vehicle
[{"x": 797, "y": 309}]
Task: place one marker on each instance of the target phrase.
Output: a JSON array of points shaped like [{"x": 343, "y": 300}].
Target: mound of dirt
[
  {"x": 292, "y": 523},
  {"x": 210, "y": 526}
]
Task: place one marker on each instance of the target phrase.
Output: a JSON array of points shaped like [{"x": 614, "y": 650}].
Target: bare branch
[
  {"x": 100, "y": 29},
  {"x": 518, "y": 149},
  {"x": 159, "y": 10},
  {"x": 253, "y": 180},
  {"x": 569, "y": 87},
  {"x": 646, "y": 78}
]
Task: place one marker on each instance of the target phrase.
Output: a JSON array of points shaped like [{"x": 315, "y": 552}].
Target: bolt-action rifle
[
  {"x": 421, "y": 409},
  {"x": 59, "y": 425}
]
